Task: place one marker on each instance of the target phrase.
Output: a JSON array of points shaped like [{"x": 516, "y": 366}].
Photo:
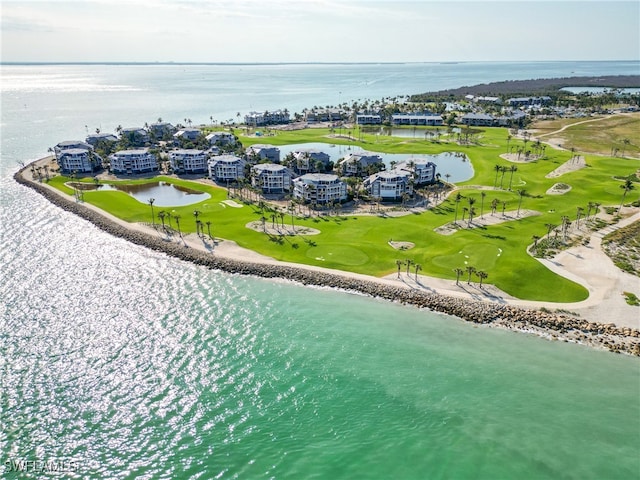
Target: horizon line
[{"x": 169, "y": 62}]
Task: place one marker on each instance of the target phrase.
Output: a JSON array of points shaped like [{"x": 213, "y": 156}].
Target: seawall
[{"x": 547, "y": 324}]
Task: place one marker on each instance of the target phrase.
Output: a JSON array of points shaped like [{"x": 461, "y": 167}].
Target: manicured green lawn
[{"x": 360, "y": 243}]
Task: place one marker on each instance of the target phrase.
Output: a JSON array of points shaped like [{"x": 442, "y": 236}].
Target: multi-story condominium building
[
  {"x": 226, "y": 168},
  {"x": 368, "y": 119},
  {"x": 258, "y": 119},
  {"x": 136, "y": 137},
  {"x": 95, "y": 138},
  {"x": 191, "y": 134},
  {"x": 324, "y": 115},
  {"x": 133, "y": 161},
  {"x": 356, "y": 164},
  {"x": 221, "y": 138},
  {"x": 319, "y": 188},
  {"x": 389, "y": 185},
  {"x": 162, "y": 130},
  {"x": 78, "y": 160},
  {"x": 422, "y": 171},
  {"x": 417, "y": 119},
  {"x": 67, "y": 144},
  {"x": 309, "y": 160},
  {"x": 478, "y": 120},
  {"x": 76, "y": 155},
  {"x": 271, "y": 178},
  {"x": 188, "y": 161},
  {"x": 258, "y": 152}
]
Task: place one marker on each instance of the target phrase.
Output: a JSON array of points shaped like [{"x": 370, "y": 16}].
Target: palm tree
[
  {"x": 550, "y": 226},
  {"x": 399, "y": 263},
  {"x": 209, "y": 229},
  {"x": 625, "y": 142},
  {"x": 521, "y": 192},
  {"x": 566, "y": 222},
  {"x": 177, "y": 219},
  {"x": 503, "y": 170},
  {"x": 457, "y": 200},
  {"x": 579, "y": 211},
  {"x": 408, "y": 263},
  {"x": 459, "y": 272},
  {"x": 504, "y": 206},
  {"x": 161, "y": 215},
  {"x": 626, "y": 187},
  {"x": 418, "y": 267},
  {"x": 482, "y": 276},
  {"x": 498, "y": 169},
  {"x": 535, "y": 239},
  {"x": 471, "y": 201},
  {"x": 482, "y": 195},
  {"x": 151, "y": 201},
  {"x": 470, "y": 270},
  {"x": 512, "y": 169}
]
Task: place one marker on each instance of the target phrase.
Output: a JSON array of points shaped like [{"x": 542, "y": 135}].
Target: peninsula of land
[{"x": 482, "y": 306}]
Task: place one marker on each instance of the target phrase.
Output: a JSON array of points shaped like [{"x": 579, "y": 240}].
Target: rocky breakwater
[{"x": 546, "y": 324}]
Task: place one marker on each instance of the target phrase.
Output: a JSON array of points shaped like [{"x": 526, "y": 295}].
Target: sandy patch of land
[
  {"x": 559, "y": 189},
  {"x": 486, "y": 219},
  {"x": 515, "y": 158},
  {"x": 279, "y": 229},
  {"x": 232, "y": 204},
  {"x": 402, "y": 245},
  {"x": 576, "y": 163}
]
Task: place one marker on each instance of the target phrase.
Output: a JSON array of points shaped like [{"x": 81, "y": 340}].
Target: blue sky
[{"x": 318, "y": 31}]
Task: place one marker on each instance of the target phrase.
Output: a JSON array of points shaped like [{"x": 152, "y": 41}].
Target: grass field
[
  {"x": 361, "y": 243},
  {"x": 598, "y": 135}
]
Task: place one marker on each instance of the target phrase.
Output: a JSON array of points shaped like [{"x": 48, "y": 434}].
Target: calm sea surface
[{"x": 119, "y": 362}]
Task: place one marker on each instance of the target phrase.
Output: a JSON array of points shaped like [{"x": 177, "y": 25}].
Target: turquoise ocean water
[{"x": 119, "y": 362}]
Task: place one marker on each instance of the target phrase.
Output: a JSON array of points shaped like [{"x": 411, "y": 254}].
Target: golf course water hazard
[{"x": 165, "y": 194}]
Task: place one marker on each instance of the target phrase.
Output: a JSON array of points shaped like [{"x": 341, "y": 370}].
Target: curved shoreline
[{"x": 545, "y": 324}]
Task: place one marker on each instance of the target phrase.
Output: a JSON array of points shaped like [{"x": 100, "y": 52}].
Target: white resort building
[
  {"x": 258, "y": 119},
  {"x": 78, "y": 160},
  {"x": 423, "y": 171},
  {"x": 221, "y": 138},
  {"x": 76, "y": 156},
  {"x": 271, "y": 178},
  {"x": 190, "y": 134},
  {"x": 389, "y": 185},
  {"x": 226, "y": 168},
  {"x": 368, "y": 119},
  {"x": 133, "y": 161},
  {"x": 319, "y": 188},
  {"x": 355, "y": 164},
  {"x": 310, "y": 160},
  {"x": 188, "y": 161},
  {"x": 258, "y": 152},
  {"x": 417, "y": 119}
]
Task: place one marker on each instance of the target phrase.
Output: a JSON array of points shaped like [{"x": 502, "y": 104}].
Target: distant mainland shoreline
[{"x": 537, "y": 86}]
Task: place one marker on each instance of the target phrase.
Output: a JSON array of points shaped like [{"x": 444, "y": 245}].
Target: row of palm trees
[
  {"x": 470, "y": 270},
  {"x": 504, "y": 169},
  {"x": 408, "y": 263}
]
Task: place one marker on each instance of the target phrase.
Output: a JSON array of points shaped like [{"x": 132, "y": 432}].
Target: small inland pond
[{"x": 165, "y": 194}]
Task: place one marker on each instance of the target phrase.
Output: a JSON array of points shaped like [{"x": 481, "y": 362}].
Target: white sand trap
[
  {"x": 402, "y": 245},
  {"x": 572, "y": 165},
  {"x": 522, "y": 158},
  {"x": 559, "y": 189},
  {"x": 231, "y": 203},
  {"x": 278, "y": 229}
]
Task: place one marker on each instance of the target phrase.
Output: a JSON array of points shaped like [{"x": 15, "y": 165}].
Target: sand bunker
[
  {"x": 559, "y": 189},
  {"x": 279, "y": 229},
  {"x": 485, "y": 220},
  {"x": 402, "y": 245},
  {"x": 576, "y": 163}
]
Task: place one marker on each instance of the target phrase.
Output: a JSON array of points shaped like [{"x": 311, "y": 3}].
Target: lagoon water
[{"x": 131, "y": 364}]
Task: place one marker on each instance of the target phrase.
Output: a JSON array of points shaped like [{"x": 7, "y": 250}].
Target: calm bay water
[{"x": 131, "y": 364}]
